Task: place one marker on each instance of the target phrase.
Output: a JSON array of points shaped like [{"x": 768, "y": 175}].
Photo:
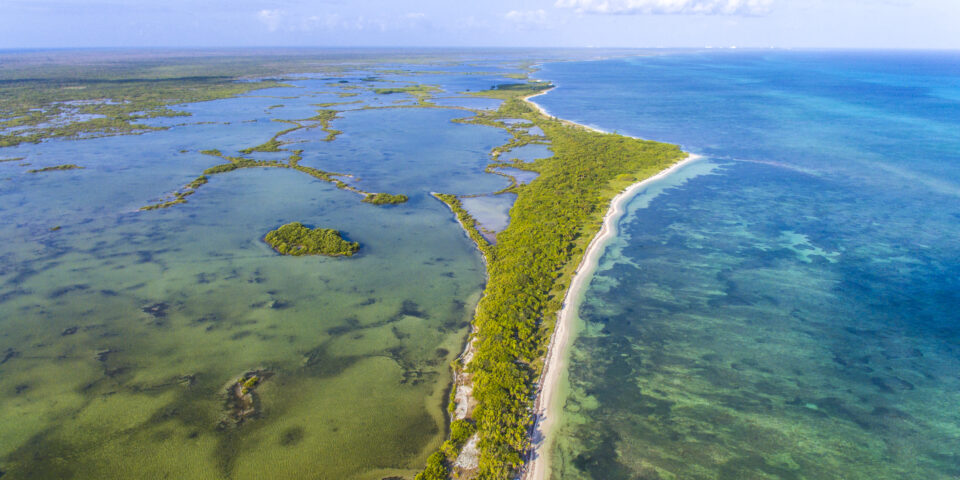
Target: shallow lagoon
[
  {"x": 121, "y": 329},
  {"x": 528, "y": 153},
  {"x": 492, "y": 212},
  {"x": 793, "y": 313}
]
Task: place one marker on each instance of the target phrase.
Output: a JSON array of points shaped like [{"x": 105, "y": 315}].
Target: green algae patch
[
  {"x": 68, "y": 166},
  {"x": 384, "y": 198},
  {"x": 296, "y": 239}
]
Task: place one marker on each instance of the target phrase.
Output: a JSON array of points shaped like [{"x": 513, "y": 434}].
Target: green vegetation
[
  {"x": 467, "y": 221},
  {"x": 460, "y": 433},
  {"x": 421, "y": 92},
  {"x": 513, "y": 91},
  {"x": 437, "y": 468},
  {"x": 272, "y": 145},
  {"x": 196, "y": 183},
  {"x": 321, "y": 119},
  {"x": 384, "y": 198},
  {"x": 95, "y": 103},
  {"x": 107, "y": 93},
  {"x": 179, "y": 196},
  {"x": 293, "y": 161},
  {"x": 296, "y": 239},
  {"x": 335, "y": 104},
  {"x": 246, "y": 385},
  {"x": 324, "y": 117},
  {"x": 68, "y": 166},
  {"x": 530, "y": 267},
  {"x": 14, "y": 159}
]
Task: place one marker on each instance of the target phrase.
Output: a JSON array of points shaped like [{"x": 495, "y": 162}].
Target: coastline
[
  {"x": 546, "y": 409},
  {"x": 546, "y": 113}
]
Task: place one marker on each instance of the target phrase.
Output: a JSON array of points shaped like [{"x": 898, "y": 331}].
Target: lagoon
[{"x": 122, "y": 329}]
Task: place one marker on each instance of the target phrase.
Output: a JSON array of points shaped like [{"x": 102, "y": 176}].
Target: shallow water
[
  {"x": 522, "y": 176},
  {"x": 791, "y": 314},
  {"x": 469, "y": 102},
  {"x": 528, "y": 153},
  {"x": 120, "y": 330},
  {"x": 492, "y": 212}
]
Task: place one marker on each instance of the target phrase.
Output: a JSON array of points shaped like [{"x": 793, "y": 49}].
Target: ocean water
[
  {"x": 787, "y": 307},
  {"x": 120, "y": 330}
]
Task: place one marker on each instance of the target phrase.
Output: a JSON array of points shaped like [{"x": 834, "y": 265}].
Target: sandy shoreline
[
  {"x": 545, "y": 410},
  {"x": 545, "y": 113}
]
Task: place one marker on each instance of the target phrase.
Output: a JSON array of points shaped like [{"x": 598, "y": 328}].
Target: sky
[{"x": 487, "y": 23}]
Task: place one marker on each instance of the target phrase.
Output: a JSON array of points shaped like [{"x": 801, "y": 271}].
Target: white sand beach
[{"x": 546, "y": 408}]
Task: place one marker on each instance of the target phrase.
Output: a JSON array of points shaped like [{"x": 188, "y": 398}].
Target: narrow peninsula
[
  {"x": 68, "y": 166},
  {"x": 530, "y": 269}
]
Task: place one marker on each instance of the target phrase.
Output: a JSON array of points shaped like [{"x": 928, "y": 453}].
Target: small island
[
  {"x": 68, "y": 166},
  {"x": 384, "y": 198},
  {"x": 297, "y": 239}
]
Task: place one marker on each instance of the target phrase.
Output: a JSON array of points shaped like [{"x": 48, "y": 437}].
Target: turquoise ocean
[{"x": 789, "y": 306}]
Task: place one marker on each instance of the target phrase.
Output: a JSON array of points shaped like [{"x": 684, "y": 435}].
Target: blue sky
[{"x": 538, "y": 23}]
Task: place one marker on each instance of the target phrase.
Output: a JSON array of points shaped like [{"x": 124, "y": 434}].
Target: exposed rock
[
  {"x": 101, "y": 355},
  {"x": 242, "y": 401},
  {"x": 9, "y": 354},
  {"x": 156, "y": 310},
  {"x": 469, "y": 458},
  {"x": 462, "y": 399}
]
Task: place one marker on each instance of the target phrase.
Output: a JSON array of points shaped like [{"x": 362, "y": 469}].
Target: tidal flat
[{"x": 122, "y": 331}]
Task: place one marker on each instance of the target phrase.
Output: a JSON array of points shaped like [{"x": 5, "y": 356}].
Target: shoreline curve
[{"x": 537, "y": 466}]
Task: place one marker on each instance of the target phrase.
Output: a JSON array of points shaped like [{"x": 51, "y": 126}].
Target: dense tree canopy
[
  {"x": 296, "y": 239},
  {"x": 530, "y": 267}
]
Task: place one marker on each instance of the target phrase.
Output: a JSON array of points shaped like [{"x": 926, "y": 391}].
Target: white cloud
[
  {"x": 285, "y": 21},
  {"x": 471, "y": 23},
  {"x": 271, "y": 18},
  {"x": 683, "y": 7},
  {"x": 530, "y": 18}
]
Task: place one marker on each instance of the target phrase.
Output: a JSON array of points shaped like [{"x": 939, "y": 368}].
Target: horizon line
[{"x": 468, "y": 47}]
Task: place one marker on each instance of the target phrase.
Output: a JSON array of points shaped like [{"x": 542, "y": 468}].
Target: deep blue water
[{"x": 789, "y": 309}]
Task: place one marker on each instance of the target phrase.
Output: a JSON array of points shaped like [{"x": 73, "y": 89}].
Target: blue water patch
[
  {"x": 793, "y": 314},
  {"x": 477, "y": 103},
  {"x": 522, "y": 176},
  {"x": 528, "y": 153},
  {"x": 535, "y": 131},
  {"x": 492, "y": 212},
  {"x": 393, "y": 156}
]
